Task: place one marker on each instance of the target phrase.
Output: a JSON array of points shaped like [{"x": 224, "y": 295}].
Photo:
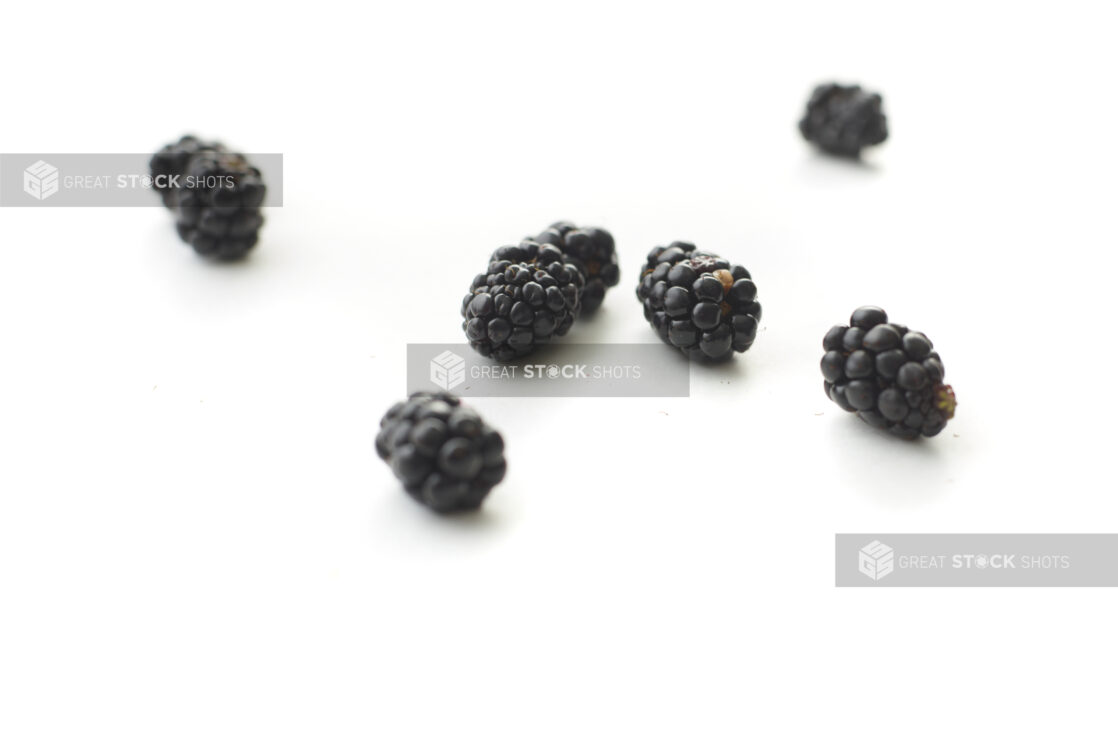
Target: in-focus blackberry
[
  {"x": 529, "y": 294},
  {"x": 447, "y": 457},
  {"x": 699, "y": 302},
  {"x": 593, "y": 250},
  {"x": 215, "y": 195},
  {"x": 888, "y": 374},
  {"x": 843, "y": 119}
]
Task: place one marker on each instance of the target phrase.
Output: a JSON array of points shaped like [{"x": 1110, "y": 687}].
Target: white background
[{"x": 198, "y": 542}]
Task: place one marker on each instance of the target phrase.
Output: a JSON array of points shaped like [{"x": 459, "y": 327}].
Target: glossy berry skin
[
  {"x": 843, "y": 119},
  {"x": 889, "y": 375},
  {"x": 529, "y": 294},
  {"x": 698, "y": 302},
  {"x": 445, "y": 455},
  {"x": 593, "y": 250},
  {"x": 215, "y": 195}
]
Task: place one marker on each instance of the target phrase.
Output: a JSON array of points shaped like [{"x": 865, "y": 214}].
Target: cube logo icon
[
  {"x": 448, "y": 370},
  {"x": 40, "y": 180},
  {"x": 875, "y": 560}
]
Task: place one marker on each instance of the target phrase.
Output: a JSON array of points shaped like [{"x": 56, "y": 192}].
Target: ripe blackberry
[
  {"x": 843, "y": 119},
  {"x": 592, "y": 249},
  {"x": 529, "y": 294},
  {"x": 447, "y": 457},
  {"x": 699, "y": 302},
  {"x": 215, "y": 195},
  {"x": 169, "y": 164},
  {"x": 887, "y": 374}
]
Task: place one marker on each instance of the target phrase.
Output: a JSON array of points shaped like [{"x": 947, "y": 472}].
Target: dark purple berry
[
  {"x": 446, "y": 456},
  {"x": 710, "y": 302},
  {"x": 888, "y": 374},
  {"x": 843, "y": 119}
]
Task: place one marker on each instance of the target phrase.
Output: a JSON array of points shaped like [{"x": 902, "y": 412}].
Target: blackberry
[
  {"x": 529, "y": 294},
  {"x": 843, "y": 119},
  {"x": 169, "y": 164},
  {"x": 215, "y": 195},
  {"x": 888, "y": 374},
  {"x": 699, "y": 302},
  {"x": 593, "y": 250},
  {"x": 447, "y": 457}
]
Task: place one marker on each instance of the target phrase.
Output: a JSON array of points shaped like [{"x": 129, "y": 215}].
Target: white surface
[{"x": 197, "y": 541}]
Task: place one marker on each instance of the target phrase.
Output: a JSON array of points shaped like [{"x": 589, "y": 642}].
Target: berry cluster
[
  {"x": 215, "y": 195},
  {"x": 888, "y": 374},
  {"x": 446, "y": 456},
  {"x": 843, "y": 119},
  {"x": 699, "y": 302},
  {"x": 529, "y": 294},
  {"x": 592, "y": 250},
  {"x": 535, "y": 290}
]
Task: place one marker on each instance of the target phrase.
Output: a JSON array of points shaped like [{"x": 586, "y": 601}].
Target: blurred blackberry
[
  {"x": 169, "y": 163},
  {"x": 843, "y": 119},
  {"x": 887, "y": 374},
  {"x": 215, "y": 195},
  {"x": 529, "y": 294},
  {"x": 447, "y": 457},
  {"x": 592, "y": 249},
  {"x": 699, "y": 302}
]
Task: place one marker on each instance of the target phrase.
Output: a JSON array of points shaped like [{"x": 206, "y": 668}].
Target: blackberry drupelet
[
  {"x": 447, "y": 457},
  {"x": 529, "y": 294},
  {"x": 888, "y": 374},
  {"x": 843, "y": 119},
  {"x": 699, "y": 302},
  {"x": 215, "y": 195},
  {"x": 593, "y": 250}
]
